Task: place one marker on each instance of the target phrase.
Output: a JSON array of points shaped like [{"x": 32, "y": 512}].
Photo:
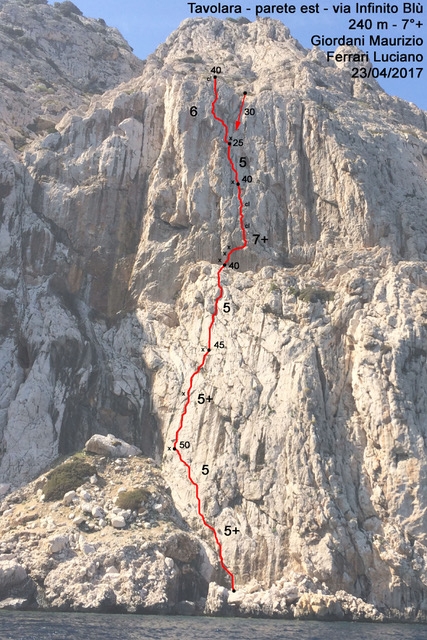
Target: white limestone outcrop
[
  {"x": 54, "y": 59},
  {"x": 110, "y": 446},
  {"x": 111, "y": 233}
]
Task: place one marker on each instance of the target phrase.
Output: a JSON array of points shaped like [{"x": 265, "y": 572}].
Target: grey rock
[
  {"x": 97, "y": 512},
  {"x": 11, "y": 574},
  {"x": 112, "y": 570},
  {"x": 110, "y": 446},
  {"x": 85, "y": 547},
  {"x": 4, "y": 488},
  {"x": 58, "y": 543},
  {"x": 69, "y": 497},
  {"x": 14, "y": 604},
  {"x": 185, "y": 608},
  {"x": 86, "y": 507},
  {"x": 181, "y": 546},
  {"x": 118, "y": 522}
]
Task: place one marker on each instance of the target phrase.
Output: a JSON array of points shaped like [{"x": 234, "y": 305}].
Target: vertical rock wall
[{"x": 112, "y": 229}]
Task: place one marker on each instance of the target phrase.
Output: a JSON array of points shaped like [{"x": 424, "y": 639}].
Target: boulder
[
  {"x": 86, "y": 507},
  {"x": 69, "y": 497},
  {"x": 111, "y": 446},
  {"x": 4, "y": 489},
  {"x": 58, "y": 543},
  {"x": 97, "y": 512},
  {"x": 185, "y": 608},
  {"x": 118, "y": 522},
  {"x": 14, "y": 604},
  {"x": 11, "y": 575},
  {"x": 85, "y": 547},
  {"x": 15, "y": 584},
  {"x": 112, "y": 570},
  {"x": 216, "y": 602},
  {"x": 290, "y": 592}
]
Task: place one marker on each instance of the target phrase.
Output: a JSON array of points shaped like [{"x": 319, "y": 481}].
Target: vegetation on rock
[
  {"x": 311, "y": 294},
  {"x": 67, "y": 477},
  {"x": 132, "y": 499}
]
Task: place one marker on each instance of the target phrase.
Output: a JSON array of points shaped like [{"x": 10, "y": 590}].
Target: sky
[{"x": 147, "y": 23}]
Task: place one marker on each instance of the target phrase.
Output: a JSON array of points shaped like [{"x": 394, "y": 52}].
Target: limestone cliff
[
  {"x": 112, "y": 228},
  {"x": 54, "y": 59}
]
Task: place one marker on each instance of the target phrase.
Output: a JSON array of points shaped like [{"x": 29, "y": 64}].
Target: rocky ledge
[
  {"x": 86, "y": 552},
  {"x": 117, "y": 543}
]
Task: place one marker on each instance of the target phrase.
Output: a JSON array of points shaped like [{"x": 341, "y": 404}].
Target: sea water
[{"x": 86, "y": 626}]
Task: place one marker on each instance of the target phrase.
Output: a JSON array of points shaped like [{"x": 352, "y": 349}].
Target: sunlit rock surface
[{"x": 112, "y": 228}]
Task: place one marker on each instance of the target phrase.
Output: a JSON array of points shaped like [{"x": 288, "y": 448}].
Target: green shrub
[
  {"x": 67, "y": 477},
  {"x": 310, "y": 294},
  {"x": 42, "y": 125},
  {"x": 316, "y": 295},
  {"x": 40, "y": 87},
  {"x": 132, "y": 499}
]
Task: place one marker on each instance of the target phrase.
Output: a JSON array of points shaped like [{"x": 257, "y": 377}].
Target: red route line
[
  {"x": 214, "y": 314},
  {"x": 238, "y": 121}
]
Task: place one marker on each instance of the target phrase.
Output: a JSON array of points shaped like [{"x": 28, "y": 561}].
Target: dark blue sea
[{"x": 84, "y": 626}]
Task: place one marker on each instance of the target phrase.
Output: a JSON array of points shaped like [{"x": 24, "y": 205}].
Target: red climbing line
[
  {"x": 238, "y": 121},
  {"x": 214, "y": 314}
]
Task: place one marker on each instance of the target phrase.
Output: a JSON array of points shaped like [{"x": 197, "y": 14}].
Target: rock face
[
  {"x": 54, "y": 59},
  {"x": 112, "y": 228},
  {"x": 16, "y": 588},
  {"x": 64, "y": 556}
]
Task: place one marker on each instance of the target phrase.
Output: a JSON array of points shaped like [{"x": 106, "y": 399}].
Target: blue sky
[{"x": 146, "y": 24}]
